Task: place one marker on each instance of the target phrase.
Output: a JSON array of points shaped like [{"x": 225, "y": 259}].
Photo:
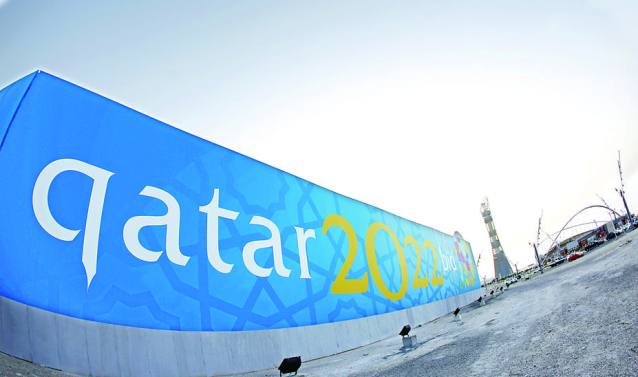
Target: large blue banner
[{"x": 109, "y": 215}]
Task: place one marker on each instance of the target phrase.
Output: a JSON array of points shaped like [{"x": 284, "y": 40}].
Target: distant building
[
  {"x": 502, "y": 266},
  {"x": 587, "y": 239}
]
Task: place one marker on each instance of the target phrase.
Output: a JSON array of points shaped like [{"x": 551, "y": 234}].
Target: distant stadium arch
[{"x": 555, "y": 240}]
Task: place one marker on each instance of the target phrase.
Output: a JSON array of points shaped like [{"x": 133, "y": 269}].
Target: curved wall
[
  {"x": 132, "y": 226},
  {"x": 97, "y": 349}
]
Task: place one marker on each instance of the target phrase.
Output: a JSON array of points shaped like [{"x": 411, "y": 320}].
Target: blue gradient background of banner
[{"x": 44, "y": 118}]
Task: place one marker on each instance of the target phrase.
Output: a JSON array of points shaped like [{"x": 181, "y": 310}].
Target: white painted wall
[{"x": 99, "y": 349}]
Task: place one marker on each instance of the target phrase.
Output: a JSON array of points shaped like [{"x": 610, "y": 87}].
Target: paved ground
[
  {"x": 579, "y": 319},
  {"x": 10, "y": 366}
]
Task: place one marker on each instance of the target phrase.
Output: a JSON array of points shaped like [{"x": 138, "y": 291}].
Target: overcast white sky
[{"x": 421, "y": 108}]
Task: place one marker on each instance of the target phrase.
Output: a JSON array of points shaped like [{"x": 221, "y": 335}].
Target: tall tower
[{"x": 502, "y": 266}]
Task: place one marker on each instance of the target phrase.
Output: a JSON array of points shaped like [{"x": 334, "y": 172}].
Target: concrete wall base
[{"x": 99, "y": 349}]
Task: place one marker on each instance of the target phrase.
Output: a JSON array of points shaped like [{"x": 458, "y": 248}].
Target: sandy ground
[{"x": 578, "y": 319}]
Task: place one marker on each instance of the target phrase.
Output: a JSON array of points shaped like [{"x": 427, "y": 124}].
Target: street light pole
[
  {"x": 538, "y": 235},
  {"x": 621, "y": 190},
  {"x": 538, "y": 259}
]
